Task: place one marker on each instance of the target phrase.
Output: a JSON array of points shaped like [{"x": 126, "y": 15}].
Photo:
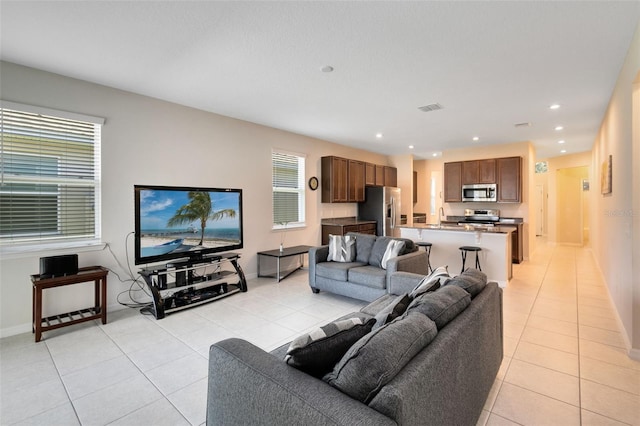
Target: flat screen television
[{"x": 185, "y": 222}]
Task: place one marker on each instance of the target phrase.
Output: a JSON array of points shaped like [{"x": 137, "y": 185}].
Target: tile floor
[{"x": 564, "y": 362}]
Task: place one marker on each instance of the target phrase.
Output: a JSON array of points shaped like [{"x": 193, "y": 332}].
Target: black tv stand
[{"x": 184, "y": 284}]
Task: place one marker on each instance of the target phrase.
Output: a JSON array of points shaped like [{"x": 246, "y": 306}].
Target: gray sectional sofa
[
  {"x": 446, "y": 382},
  {"x": 363, "y": 279}
]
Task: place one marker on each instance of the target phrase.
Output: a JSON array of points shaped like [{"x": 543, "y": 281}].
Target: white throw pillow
[
  {"x": 342, "y": 248},
  {"x": 393, "y": 249}
]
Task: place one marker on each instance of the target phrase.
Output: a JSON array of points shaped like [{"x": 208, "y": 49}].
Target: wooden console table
[
  {"x": 97, "y": 274},
  {"x": 287, "y": 252}
]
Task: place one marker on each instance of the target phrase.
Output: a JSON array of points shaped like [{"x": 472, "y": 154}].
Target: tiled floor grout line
[
  {"x": 575, "y": 261},
  {"x": 519, "y": 340},
  {"x": 66, "y": 391}
]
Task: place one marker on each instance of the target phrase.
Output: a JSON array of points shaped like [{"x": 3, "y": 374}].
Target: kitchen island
[{"x": 495, "y": 241}]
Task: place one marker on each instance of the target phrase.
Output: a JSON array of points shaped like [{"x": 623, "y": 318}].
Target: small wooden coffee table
[{"x": 277, "y": 254}]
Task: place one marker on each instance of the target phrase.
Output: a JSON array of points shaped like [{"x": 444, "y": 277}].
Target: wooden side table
[{"x": 97, "y": 274}]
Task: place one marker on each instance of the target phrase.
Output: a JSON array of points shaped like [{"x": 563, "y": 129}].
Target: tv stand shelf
[{"x": 181, "y": 285}]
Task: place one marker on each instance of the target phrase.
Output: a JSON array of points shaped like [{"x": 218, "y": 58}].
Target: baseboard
[{"x": 15, "y": 330}]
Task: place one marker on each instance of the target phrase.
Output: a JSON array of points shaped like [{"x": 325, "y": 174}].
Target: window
[
  {"x": 49, "y": 176},
  {"x": 288, "y": 189}
]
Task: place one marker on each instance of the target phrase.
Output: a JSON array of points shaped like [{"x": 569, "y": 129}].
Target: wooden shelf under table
[{"x": 97, "y": 274}]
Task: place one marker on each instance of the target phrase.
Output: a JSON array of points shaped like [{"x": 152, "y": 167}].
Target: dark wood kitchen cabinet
[
  {"x": 379, "y": 175},
  {"x": 369, "y": 174},
  {"x": 355, "y": 190},
  {"x": 509, "y": 179},
  {"x": 390, "y": 176},
  {"x": 453, "y": 182},
  {"x": 478, "y": 171},
  {"x": 334, "y": 178},
  {"x": 487, "y": 171}
]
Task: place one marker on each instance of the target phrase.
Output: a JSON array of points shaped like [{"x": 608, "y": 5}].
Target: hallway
[{"x": 565, "y": 361}]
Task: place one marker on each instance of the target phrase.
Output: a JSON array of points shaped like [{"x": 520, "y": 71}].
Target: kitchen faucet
[{"x": 440, "y": 215}]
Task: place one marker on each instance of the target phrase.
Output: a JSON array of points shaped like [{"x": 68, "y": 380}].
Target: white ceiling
[{"x": 489, "y": 64}]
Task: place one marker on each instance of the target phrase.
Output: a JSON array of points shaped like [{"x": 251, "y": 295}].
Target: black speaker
[{"x": 58, "y": 266}]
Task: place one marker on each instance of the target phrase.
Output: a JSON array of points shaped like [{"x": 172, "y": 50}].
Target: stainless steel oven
[{"x": 480, "y": 192}]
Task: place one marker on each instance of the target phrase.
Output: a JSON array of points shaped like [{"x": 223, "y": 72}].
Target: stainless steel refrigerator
[{"x": 382, "y": 204}]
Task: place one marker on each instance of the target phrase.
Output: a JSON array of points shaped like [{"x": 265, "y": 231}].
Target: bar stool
[
  {"x": 464, "y": 250},
  {"x": 427, "y": 248}
]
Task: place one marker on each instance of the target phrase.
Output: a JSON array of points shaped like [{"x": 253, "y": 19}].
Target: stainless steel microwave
[{"x": 480, "y": 192}]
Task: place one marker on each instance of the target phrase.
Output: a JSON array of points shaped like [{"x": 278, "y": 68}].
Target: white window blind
[
  {"x": 288, "y": 189},
  {"x": 49, "y": 176}
]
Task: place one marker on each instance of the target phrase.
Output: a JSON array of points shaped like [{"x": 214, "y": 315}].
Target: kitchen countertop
[
  {"x": 344, "y": 221},
  {"x": 505, "y": 220},
  {"x": 464, "y": 228}
]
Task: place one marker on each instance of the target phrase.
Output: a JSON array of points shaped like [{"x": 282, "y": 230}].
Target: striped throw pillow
[{"x": 342, "y": 248}]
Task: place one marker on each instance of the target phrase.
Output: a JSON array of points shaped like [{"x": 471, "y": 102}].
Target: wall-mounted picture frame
[{"x": 605, "y": 178}]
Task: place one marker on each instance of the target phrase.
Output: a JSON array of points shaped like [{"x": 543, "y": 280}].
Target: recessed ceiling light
[
  {"x": 379, "y": 135},
  {"x": 559, "y": 128},
  {"x": 410, "y": 146},
  {"x": 562, "y": 151},
  {"x": 562, "y": 141},
  {"x": 435, "y": 154},
  {"x": 475, "y": 138},
  {"x": 554, "y": 106},
  {"x": 327, "y": 68}
]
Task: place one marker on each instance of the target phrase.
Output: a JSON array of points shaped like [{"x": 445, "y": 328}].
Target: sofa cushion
[
  {"x": 376, "y": 358},
  {"x": 338, "y": 271},
  {"x": 370, "y": 276},
  {"x": 364, "y": 244},
  {"x": 392, "y": 311},
  {"x": 377, "y": 252},
  {"x": 318, "y": 351},
  {"x": 378, "y": 305},
  {"x": 472, "y": 280},
  {"x": 393, "y": 250},
  {"x": 442, "y": 305},
  {"x": 431, "y": 282}
]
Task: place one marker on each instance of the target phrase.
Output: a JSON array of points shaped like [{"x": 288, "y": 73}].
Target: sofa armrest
[
  {"x": 415, "y": 262},
  {"x": 404, "y": 282},
  {"x": 247, "y": 385},
  {"x": 316, "y": 255}
]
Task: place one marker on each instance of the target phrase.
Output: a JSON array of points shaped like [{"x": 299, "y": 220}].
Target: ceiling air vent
[
  {"x": 522, "y": 124},
  {"x": 432, "y": 107}
]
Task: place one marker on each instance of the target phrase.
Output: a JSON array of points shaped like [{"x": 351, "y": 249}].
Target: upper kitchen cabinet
[
  {"x": 370, "y": 174},
  {"x": 390, "y": 176},
  {"x": 453, "y": 182},
  {"x": 356, "y": 175},
  {"x": 379, "y": 175},
  {"x": 478, "y": 171},
  {"x": 509, "y": 179},
  {"x": 343, "y": 180},
  {"x": 334, "y": 179}
]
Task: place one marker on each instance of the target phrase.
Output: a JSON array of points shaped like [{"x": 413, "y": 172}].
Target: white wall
[
  {"x": 152, "y": 142},
  {"x": 614, "y": 222}
]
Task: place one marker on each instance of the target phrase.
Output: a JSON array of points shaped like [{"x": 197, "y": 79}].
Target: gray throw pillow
[
  {"x": 374, "y": 360},
  {"x": 364, "y": 245},
  {"x": 377, "y": 252},
  {"x": 431, "y": 282},
  {"x": 342, "y": 248},
  {"x": 392, "y": 311},
  {"x": 442, "y": 305},
  {"x": 317, "y": 352},
  {"x": 472, "y": 280}
]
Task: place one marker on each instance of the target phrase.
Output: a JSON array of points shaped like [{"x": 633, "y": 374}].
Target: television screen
[{"x": 184, "y": 222}]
